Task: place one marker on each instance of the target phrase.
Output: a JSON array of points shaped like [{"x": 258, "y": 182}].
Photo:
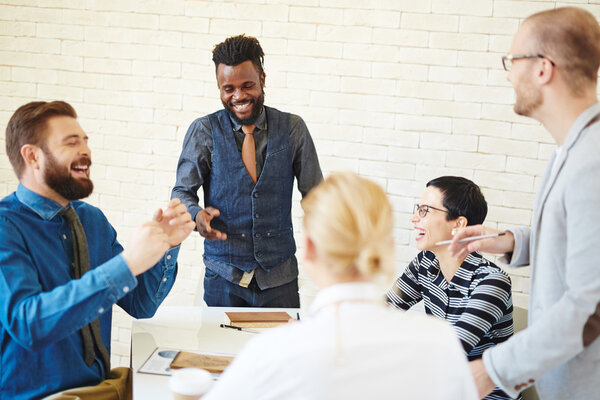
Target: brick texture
[{"x": 396, "y": 90}]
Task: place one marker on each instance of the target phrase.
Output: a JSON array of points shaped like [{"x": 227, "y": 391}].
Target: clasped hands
[{"x": 168, "y": 228}]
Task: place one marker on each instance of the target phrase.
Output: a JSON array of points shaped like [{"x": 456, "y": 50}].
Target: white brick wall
[{"x": 400, "y": 91}]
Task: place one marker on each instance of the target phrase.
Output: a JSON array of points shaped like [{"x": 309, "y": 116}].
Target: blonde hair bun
[{"x": 350, "y": 221}]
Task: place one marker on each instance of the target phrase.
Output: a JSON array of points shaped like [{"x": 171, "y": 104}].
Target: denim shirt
[
  {"x": 42, "y": 308},
  {"x": 195, "y": 169}
]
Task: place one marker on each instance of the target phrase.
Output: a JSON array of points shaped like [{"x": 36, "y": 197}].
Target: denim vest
[{"x": 257, "y": 218}]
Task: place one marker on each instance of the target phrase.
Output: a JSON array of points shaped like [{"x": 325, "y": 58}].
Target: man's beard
[
  {"x": 256, "y": 110},
  {"x": 59, "y": 178},
  {"x": 528, "y": 99}
]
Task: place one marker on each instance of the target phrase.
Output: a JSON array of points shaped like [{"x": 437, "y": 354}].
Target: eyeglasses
[
  {"x": 508, "y": 59},
  {"x": 423, "y": 209}
]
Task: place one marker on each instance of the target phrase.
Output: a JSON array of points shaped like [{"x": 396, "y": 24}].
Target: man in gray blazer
[{"x": 553, "y": 67}]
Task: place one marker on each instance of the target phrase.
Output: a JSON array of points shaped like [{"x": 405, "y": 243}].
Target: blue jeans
[{"x": 219, "y": 292}]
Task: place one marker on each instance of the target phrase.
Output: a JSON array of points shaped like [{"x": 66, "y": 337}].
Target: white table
[{"x": 182, "y": 328}]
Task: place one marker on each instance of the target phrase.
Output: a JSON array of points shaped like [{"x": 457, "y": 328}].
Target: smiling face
[
  {"x": 241, "y": 88},
  {"x": 434, "y": 227},
  {"x": 66, "y": 159}
]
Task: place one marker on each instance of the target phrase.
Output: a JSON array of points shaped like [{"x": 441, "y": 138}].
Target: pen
[
  {"x": 237, "y": 328},
  {"x": 298, "y": 315},
  {"x": 470, "y": 239}
]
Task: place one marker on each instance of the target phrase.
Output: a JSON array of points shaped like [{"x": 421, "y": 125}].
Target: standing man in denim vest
[{"x": 245, "y": 157}]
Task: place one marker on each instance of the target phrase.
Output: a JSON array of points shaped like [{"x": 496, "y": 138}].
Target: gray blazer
[{"x": 562, "y": 246}]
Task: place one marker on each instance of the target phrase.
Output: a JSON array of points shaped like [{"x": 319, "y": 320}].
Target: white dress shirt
[{"x": 351, "y": 347}]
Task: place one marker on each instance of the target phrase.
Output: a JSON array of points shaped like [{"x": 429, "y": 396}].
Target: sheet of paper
[{"x": 160, "y": 360}]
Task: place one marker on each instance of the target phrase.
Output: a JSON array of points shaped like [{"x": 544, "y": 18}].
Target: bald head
[{"x": 570, "y": 37}]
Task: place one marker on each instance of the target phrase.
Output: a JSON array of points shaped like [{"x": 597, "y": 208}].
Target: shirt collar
[
  {"x": 354, "y": 291},
  {"x": 260, "y": 123},
  {"x": 43, "y": 206},
  {"x": 584, "y": 119},
  {"x": 464, "y": 275}
]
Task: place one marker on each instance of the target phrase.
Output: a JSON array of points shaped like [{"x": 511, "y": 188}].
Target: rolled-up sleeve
[
  {"x": 193, "y": 167},
  {"x": 305, "y": 161}
]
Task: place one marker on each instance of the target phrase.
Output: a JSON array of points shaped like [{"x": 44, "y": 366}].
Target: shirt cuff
[
  {"x": 194, "y": 210},
  {"x": 118, "y": 277},
  {"x": 169, "y": 260},
  {"x": 491, "y": 371}
]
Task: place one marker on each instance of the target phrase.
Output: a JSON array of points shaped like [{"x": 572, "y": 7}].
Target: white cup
[{"x": 190, "y": 383}]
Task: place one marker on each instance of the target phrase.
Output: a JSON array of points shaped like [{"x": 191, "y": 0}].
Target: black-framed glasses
[
  {"x": 508, "y": 59},
  {"x": 423, "y": 209}
]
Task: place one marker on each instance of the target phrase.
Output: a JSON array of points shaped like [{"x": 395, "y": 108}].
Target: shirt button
[
  {"x": 259, "y": 254},
  {"x": 255, "y": 195},
  {"x": 164, "y": 279},
  {"x": 168, "y": 256},
  {"x": 101, "y": 310},
  {"x": 64, "y": 236},
  {"x": 243, "y": 235},
  {"x": 257, "y": 235},
  {"x": 256, "y": 215},
  {"x": 125, "y": 289}
]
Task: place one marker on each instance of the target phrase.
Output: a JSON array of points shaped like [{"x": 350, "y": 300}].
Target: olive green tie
[{"x": 81, "y": 264}]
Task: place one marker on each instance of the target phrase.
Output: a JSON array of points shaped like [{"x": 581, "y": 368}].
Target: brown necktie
[
  {"x": 81, "y": 264},
  {"x": 248, "y": 151}
]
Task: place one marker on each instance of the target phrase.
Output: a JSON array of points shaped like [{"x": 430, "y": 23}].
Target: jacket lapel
[{"x": 555, "y": 165}]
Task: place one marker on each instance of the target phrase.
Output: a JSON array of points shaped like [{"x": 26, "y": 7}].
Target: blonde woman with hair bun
[
  {"x": 350, "y": 223},
  {"x": 351, "y": 346}
]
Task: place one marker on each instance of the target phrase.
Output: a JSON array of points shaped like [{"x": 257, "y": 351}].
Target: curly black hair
[{"x": 237, "y": 49}]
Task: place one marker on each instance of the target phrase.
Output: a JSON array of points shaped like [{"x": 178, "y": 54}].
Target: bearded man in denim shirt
[
  {"x": 245, "y": 157},
  {"x": 62, "y": 268}
]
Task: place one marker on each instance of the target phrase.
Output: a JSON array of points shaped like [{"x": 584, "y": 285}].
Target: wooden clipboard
[{"x": 211, "y": 363}]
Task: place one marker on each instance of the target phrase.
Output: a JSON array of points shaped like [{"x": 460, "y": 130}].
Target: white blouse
[{"x": 351, "y": 347}]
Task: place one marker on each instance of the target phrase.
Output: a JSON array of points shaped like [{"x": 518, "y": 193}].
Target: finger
[
  {"x": 203, "y": 222},
  {"x": 460, "y": 251},
  {"x": 173, "y": 202},
  {"x": 209, "y": 235},
  {"x": 180, "y": 219},
  {"x": 158, "y": 214},
  {"x": 214, "y": 235},
  {"x": 213, "y": 212},
  {"x": 189, "y": 226},
  {"x": 219, "y": 235},
  {"x": 456, "y": 246},
  {"x": 178, "y": 209},
  {"x": 462, "y": 233}
]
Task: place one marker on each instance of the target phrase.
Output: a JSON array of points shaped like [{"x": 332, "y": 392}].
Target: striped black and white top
[{"x": 477, "y": 301}]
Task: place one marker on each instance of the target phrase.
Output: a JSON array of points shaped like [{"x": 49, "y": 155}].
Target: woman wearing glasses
[
  {"x": 472, "y": 294},
  {"x": 352, "y": 345}
]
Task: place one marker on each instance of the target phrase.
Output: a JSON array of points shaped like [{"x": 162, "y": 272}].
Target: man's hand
[
  {"x": 148, "y": 244},
  {"x": 482, "y": 380},
  {"x": 151, "y": 241},
  {"x": 496, "y": 245},
  {"x": 175, "y": 221},
  {"x": 203, "y": 219}
]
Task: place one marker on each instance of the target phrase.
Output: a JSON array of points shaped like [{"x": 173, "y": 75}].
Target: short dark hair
[
  {"x": 237, "y": 49},
  {"x": 462, "y": 198},
  {"x": 26, "y": 126}
]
